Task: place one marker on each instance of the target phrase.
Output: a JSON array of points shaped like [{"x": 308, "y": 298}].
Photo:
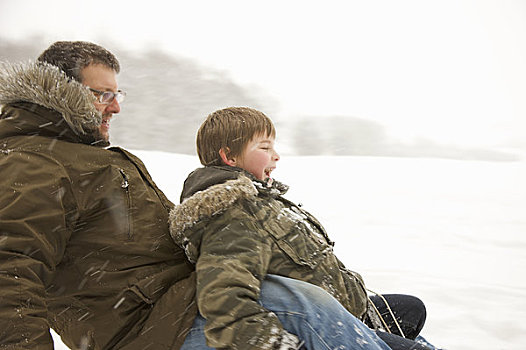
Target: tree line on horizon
[{"x": 168, "y": 97}]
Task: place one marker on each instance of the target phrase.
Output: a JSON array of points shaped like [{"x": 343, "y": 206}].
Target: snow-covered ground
[{"x": 451, "y": 232}]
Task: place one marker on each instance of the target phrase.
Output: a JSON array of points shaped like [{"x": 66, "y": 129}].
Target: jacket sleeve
[
  {"x": 233, "y": 260},
  {"x": 356, "y": 290},
  {"x": 33, "y": 234}
]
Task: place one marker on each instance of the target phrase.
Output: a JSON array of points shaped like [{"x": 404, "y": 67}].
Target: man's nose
[{"x": 114, "y": 107}]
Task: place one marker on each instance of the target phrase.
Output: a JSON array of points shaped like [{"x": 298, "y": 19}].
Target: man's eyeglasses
[{"x": 107, "y": 97}]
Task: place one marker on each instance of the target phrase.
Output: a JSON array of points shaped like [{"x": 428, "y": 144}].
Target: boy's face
[{"x": 258, "y": 157}]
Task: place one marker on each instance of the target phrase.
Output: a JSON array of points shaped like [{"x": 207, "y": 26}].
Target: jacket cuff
[{"x": 288, "y": 341}]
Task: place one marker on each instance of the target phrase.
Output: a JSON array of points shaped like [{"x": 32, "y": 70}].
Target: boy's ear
[{"x": 223, "y": 153}]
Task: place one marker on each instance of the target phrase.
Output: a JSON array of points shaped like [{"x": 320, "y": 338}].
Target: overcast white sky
[{"x": 449, "y": 70}]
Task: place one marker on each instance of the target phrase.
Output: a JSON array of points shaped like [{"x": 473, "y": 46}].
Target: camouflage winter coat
[
  {"x": 84, "y": 242},
  {"x": 237, "y": 230}
]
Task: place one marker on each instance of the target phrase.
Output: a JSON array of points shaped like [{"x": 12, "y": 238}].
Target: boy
[{"x": 236, "y": 226}]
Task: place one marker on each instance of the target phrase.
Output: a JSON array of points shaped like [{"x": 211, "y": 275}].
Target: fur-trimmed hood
[
  {"x": 210, "y": 202},
  {"x": 211, "y": 190},
  {"x": 47, "y": 86}
]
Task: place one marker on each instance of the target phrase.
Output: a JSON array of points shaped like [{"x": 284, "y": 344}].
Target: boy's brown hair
[{"x": 230, "y": 129}]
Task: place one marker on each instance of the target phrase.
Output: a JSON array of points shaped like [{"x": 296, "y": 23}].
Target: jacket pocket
[
  {"x": 169, "y": 319},
  {"x": 298, "y": 238},
  {"x": 106, "y": 201}
]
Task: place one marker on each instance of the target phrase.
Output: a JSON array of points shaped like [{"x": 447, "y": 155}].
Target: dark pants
[{"x": 410, "y": 313}]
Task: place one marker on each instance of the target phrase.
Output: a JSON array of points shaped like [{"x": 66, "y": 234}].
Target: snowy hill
[{"x": 451, "y": 232}]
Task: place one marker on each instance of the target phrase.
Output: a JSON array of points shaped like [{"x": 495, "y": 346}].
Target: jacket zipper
[
  {"x": 125, "y": 184},
  {"x": 145, "y": 174}
]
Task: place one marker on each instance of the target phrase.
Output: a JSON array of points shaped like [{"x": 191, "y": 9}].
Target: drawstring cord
[{"x": 390, "y": 312}]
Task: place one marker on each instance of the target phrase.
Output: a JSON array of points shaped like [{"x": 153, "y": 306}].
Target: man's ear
[{"x": 223, "y": 153}]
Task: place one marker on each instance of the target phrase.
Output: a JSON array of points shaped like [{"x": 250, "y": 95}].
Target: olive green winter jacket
[
  {"x": 84, "y": 242},
  {"x": 237, "y": 230}
]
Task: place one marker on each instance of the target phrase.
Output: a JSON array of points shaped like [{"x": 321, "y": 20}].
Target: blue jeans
[{"x": 308, "y": 312}]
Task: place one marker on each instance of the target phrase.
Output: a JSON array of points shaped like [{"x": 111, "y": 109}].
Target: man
[
  {"x": 85, "y": 247},
  {"x": 84, "y": 244}
]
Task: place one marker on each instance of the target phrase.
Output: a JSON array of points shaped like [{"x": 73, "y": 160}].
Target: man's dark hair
[{"x": 72, "y": 56}]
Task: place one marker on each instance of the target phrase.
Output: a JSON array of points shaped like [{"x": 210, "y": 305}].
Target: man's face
[{"x": 102, "y": 78}]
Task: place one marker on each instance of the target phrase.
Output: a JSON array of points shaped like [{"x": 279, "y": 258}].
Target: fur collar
[
  {"x": 46, "y": 85},
  {"x": 207, "y": 203}
]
